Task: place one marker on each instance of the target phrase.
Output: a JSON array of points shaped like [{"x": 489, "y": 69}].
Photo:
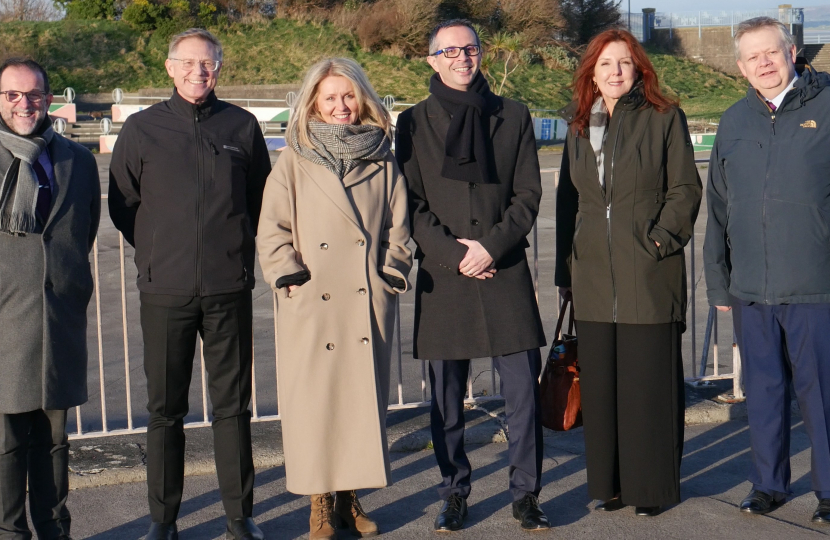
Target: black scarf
[{"x": 465, "y": 150}]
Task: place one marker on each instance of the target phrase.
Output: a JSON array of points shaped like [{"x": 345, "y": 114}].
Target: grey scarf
[
  {"x": 339, "y": 147},
  {"x": 598, "y": 131},
  {"x": 19, "y": 187}
]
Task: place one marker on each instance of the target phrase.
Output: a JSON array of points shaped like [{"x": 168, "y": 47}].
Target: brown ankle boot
[
  {"x": 351, "y": 515},
  {"x": 321, "y": 522}
]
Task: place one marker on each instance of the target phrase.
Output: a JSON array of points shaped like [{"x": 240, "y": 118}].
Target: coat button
[
  {"x": 324, "y": 246},
  {"x": 48, "y": 285},
  {"x": 330, "y": 347},
  {"x": 361, "y": 291},
  {"x": 365, "y": 341},
  {"x": 361, "y": 242},
  {"x": 473, "y": 185},
  {"x": 326, "y": 296},
  {"x": 473, "y": 222}
]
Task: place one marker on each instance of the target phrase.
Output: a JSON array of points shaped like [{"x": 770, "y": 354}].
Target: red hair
[{"x": 583, "y": 85}]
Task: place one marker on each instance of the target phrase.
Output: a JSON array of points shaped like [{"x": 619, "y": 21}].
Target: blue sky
[{"x": 686, "y": 5}]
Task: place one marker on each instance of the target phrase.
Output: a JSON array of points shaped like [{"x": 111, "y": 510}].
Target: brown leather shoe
[
  {"x": 350, "y": 515},
  {"x": 321, "y": 522}
]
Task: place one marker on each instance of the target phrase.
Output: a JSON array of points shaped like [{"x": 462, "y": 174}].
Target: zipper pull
[
  {"x": 215, "y": 151},
  {"x": 608, "y": 212},
  {"x": 772, "y": 117}
]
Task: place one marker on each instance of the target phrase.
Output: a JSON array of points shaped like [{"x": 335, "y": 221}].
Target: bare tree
[{"x": 28, "y": 10}]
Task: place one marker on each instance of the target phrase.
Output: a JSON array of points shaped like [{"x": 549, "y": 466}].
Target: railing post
[
  {"x": 125, "y": 332},
  {"x": 101, "y": 382}
]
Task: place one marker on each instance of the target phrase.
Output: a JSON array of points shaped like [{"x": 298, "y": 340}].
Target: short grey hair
[
  {"x": 199, "y": 33},
  {"x": 759, "y": 23}
]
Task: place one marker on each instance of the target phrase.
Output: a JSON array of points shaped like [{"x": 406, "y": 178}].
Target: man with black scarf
[
  {"x": 50, "y": 203},
  {"x": 470, "y": 159}
]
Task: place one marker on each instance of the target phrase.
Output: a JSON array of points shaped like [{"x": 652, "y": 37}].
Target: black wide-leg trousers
[
  {"x": 519, "y": 375},
  {"x": 34, "y": 446},
  {"x": 633, "y": 407},
  {"x": 170, "y": 325}
]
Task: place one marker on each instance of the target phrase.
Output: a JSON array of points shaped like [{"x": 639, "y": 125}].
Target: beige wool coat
[{"x": 335, "y": 331}]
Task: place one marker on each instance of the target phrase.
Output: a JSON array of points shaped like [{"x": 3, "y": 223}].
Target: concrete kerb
[{"x": 122, "y": 459}]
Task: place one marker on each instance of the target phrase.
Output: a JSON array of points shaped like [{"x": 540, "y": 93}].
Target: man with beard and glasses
[
  {"x": 470, "y": 159},
  {"x": 50, "y": 203}
]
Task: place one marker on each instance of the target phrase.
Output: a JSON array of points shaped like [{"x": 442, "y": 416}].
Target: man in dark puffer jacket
[{"x": 767, "y": 254}]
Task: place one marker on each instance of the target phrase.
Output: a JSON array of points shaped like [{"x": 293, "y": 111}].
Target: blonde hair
[{"x": 371, "y": 111}]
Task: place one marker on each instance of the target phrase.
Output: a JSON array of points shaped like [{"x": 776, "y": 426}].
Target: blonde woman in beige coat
[{"x": 332, "y": 243}]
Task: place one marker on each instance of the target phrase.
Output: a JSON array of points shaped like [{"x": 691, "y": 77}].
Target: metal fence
[
  {"x": 816, "y": 38},
  {"x": 105, "y": 323}
]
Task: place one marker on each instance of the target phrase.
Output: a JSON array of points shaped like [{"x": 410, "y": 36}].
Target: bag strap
[{"x": 568, "y": 300}]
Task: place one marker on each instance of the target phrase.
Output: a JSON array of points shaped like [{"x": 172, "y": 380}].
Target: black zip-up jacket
[
  {"x": 768, "y": 233},
  {"x": 185, "y": 189}
]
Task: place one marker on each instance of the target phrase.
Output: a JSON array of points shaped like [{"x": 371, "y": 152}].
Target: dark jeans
[
  {"x": 34, "y": 443},
  {"x": 519, "y": 374},
  {"x": 782, "y": 346},
  {"x": 170, "y": 325},
  {"x": 633, "y": 406}
]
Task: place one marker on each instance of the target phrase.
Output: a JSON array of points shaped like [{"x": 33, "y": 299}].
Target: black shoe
[
  {"x": 822, "y": 513},
  {"x": 243, "y": 529},
  {"x": 646, "y": 510},
  {"x": 759, "y": 503},
  {"x": 610, "y": 505},
  {"x": 162, "y": 531},
  {"x": 527, "y": 511},
  {"x": 452, "y": 514}
]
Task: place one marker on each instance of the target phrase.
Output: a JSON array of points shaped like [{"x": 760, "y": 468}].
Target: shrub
[
  {"x": 554, "y": 57},
  {"x": 143, "y": 14},
  {"x": 90, "y": 9}
]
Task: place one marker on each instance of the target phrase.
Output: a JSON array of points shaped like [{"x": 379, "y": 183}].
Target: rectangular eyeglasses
[
  {"x": 189, "y": 63},
  {"x": 453, "y": 52}
]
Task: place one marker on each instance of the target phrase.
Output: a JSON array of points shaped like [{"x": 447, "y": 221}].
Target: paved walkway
[{"x": 713, "y": 483}]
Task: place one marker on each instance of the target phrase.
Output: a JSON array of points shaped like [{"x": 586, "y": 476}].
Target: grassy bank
[{"x": 97, "y": 56}]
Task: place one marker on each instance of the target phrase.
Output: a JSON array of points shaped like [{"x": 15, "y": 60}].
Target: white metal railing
[
  {"x": 816, "y": 38},
  {"x": 401, "y": 403}
]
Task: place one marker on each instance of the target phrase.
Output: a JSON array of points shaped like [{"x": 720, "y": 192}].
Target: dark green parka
[{"x": 605, "y": 238}]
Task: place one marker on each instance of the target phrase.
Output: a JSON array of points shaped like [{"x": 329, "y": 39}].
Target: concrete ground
[{"x": 713, "y": 483}]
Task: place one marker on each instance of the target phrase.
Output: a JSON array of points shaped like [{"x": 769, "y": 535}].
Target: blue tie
[{"x": 44, "y": 193}]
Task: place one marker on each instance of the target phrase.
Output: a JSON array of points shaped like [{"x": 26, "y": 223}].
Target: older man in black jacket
[
  {"x": 186, "y": 184},
  {"x": 470, "y": 159},
  {"x": 767, "y": 254}
]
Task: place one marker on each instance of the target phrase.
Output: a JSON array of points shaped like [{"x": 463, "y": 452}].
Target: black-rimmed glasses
[
  {"x": 14, "y": 96},
  {"x": 454, "y": 52},
  {"x": 189, "y": 63}
]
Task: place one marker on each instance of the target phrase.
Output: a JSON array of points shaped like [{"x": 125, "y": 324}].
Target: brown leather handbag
[{"x": 559, "y": 388}]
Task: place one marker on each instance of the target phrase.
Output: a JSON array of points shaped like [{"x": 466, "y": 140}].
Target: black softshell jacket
[{"x": 185, "y": 189}]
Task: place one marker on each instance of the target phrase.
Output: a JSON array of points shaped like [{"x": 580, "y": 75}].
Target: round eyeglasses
[
  {"x": 14, "y": 96},
  {"x": 453, "y": 52},
  {"x": 188, "y": 64}
]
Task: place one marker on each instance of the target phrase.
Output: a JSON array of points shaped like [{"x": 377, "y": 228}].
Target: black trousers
[
  {"x": 633, "y": 407},
  {"x": 34, "y": 445},
  {"x": 519, "y": 374},
  {"x": 170, "y": 325}
]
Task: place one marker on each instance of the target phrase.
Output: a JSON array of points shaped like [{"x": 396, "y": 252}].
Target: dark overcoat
[
  {"x": 458, "y": 317},
  {"x": 605, "y": 238},
  {"x": 45, "y": 287}
]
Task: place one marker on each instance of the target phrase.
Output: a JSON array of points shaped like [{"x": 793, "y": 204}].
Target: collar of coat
[
  {"x": 809, "y": 85},
  {"x": 633, "y": 100},
  {"x": 333, "y": 187},
  {"x": 440, "y": 119},
  {"x": 202, "y": 111}
]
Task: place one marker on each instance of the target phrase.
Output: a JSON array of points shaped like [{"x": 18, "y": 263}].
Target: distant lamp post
[{"x": 629, "y": 15}]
